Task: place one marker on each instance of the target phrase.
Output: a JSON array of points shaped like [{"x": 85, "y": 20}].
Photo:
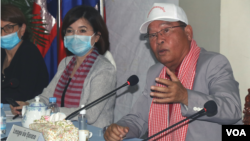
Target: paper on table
[
  {"x": 8, "y": 114},
  {"x": 9, "y": 117}
]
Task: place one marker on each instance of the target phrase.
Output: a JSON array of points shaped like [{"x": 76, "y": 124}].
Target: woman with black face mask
[{"x": 23, "y": 71}]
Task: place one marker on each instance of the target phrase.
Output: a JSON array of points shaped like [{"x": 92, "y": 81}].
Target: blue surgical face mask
[
  {"x": 9, "y": 41},
  {"x": 78, "y": 44}
]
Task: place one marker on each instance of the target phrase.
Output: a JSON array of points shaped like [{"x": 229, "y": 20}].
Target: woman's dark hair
[
  {"x": 95, "y": 20},
  {"x": 13, "y": 14}
]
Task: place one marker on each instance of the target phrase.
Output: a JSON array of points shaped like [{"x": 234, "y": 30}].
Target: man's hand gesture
[{"x": 175, "y": 92}]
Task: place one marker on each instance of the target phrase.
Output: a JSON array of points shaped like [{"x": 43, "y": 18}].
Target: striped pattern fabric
[
  {"x": 74, "y": 91},
  {"x": 158, "y": 114}
]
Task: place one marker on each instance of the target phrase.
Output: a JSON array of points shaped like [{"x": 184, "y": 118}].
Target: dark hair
[
  {"x": 13, "y": 14},
  {"x": 95, "y": 20}
]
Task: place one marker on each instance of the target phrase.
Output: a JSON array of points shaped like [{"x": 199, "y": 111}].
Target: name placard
[{"x": 18, "y": 133}]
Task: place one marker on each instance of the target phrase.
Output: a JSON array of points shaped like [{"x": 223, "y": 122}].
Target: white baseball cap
[{"x": 165, "y": 12}]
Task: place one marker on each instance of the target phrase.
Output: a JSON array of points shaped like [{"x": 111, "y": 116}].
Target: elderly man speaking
[{"x": 185, "y": 78}]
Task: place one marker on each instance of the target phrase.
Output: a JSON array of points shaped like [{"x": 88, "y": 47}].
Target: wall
[
  {"x": 235, "y": 40},
  {"x": 224, "y": 26},
  {"x": 204, "y": 17}
]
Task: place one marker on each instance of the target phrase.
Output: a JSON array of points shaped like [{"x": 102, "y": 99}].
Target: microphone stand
[
  {"x": 197, "y": 114},
  {"x": 72, "y": 115}
]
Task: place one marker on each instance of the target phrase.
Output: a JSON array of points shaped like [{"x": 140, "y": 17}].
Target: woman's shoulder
[
  {"x": 29, "y": 48},
  {"x": 29, "y": 52},
  {"x": 102, "y": 63},
  {"x": 28, "y": 44},
  {"x": 65, "y": 61}
]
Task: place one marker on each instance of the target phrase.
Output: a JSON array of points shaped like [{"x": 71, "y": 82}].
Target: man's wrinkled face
[{"x": 170, "y": 45}]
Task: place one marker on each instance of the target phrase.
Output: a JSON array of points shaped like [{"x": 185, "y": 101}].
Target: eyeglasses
[
  {"x": 163, "y": 32},
  {"x": 8, "y": 28},
  {"x": 69, "y": 32}
]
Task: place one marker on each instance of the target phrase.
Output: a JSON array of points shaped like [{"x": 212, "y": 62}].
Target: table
[{"x": 97, "y": 132}]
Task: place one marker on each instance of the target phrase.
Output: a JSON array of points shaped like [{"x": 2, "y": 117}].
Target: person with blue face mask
[
  {"x": 86, "y": 74},
  {"x": 21, "y": 62}
]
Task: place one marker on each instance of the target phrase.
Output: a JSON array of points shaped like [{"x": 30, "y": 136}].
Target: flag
[{"x": 49, "y": 52}]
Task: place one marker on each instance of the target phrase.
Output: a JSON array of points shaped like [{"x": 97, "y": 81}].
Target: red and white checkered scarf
[
  {"x": 74, "y": 90},
  {"x": 158, "y": 114}
]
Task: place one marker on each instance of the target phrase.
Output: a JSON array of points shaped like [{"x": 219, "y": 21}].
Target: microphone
[
  {"x": 13, "y": 83},
  {"x": 132, "y": 80},
  {"x": 210, "y": 109}
]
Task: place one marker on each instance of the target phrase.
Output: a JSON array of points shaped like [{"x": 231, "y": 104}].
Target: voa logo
[{"x": 236, "y": 132}]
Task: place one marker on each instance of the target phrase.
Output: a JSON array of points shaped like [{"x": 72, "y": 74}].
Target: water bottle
[
  {"x": 82, "y": 120},
  {"x": 3, "y": 121},
  {"x": 53, "y": 106}
]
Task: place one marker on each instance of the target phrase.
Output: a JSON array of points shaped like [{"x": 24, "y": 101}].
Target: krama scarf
[
  {"x": 159, "y": 113},
  {"x": 75, "y": 88}
]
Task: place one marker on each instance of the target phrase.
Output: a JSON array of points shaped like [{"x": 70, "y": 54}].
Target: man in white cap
[{"x": 177, "y": 87}]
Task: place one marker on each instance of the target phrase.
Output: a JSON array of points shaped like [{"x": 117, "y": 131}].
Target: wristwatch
[{"x": 104, "y": 129}]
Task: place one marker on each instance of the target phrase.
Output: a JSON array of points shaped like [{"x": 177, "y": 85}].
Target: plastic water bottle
[
  {"x": 53, "y": 106},
  {"x": 82, "y": 120},
  {"x": 3, "y": 121}
]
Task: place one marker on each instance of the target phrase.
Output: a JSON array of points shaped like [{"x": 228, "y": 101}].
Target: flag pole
[
  {"x": 102, "y": 8},
  {"x": 58, "y": 18},
  {"x": 59, "y": 14}
]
